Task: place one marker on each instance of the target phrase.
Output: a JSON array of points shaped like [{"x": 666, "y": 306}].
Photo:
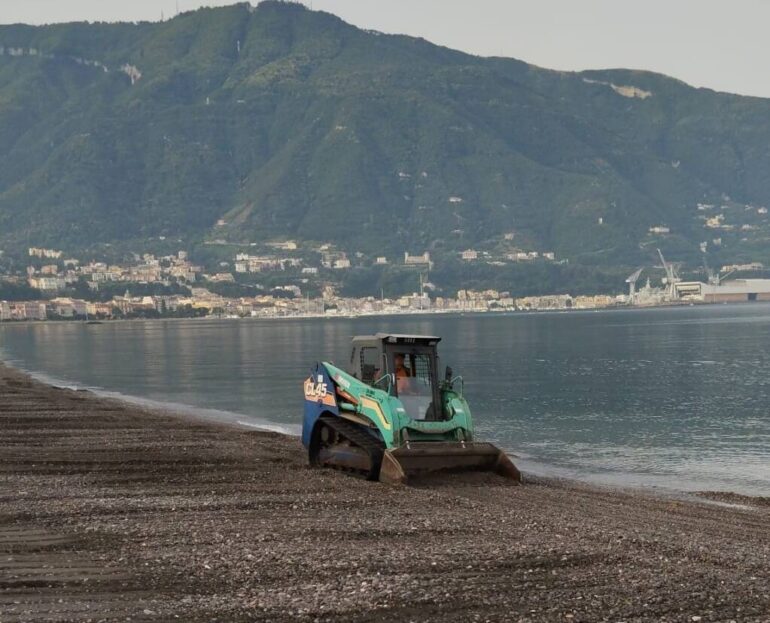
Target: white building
[
  {"x": 753, "y": 266},
  {"x": 342, "y": 262},
  {"x": 288, "y": 245},
  {"x": 68, "y": 308},
  {"x": 47, "y": 284},
  {"x": 28, "y": 311},
  {"x": 44, "y": 253},
  {"x": 418, "y": 260}
]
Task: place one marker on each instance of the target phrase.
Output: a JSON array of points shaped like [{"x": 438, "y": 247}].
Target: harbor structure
[{"x": 733, "y": 291}]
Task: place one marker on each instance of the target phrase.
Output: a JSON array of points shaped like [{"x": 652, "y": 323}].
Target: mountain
[{"x": 253, "y": 123}]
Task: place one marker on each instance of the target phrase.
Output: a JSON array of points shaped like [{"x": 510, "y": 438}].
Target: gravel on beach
[{"x": 115, "y": 513}]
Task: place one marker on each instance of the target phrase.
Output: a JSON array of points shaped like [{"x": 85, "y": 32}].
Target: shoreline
[
  {"x": 110, "y": 511},
  {"x": 391, "y": 313},
  {"x": 532, "y": 468}
]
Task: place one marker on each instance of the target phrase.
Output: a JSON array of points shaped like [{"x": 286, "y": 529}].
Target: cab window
[
  {"x": 415, "y": 389},
  {"x": 370, "y": 364}
]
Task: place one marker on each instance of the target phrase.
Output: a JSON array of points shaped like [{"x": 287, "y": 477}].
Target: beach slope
[{"x": 111, "y": 512}]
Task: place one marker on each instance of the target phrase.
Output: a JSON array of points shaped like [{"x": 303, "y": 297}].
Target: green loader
[{"x": 389, "y": 417}]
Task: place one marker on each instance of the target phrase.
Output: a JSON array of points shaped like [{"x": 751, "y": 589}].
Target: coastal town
[
  {"x": 188, "y": 290},
  {"x": 160, "y": 278},
  {"x": 288, "y": 279}
]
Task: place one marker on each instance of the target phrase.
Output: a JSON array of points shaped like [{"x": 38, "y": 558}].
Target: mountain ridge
[{"x": 251, "y": 123}]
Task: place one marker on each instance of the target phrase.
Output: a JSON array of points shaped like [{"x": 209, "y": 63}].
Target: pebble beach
[{"x": 110, "y": 512}]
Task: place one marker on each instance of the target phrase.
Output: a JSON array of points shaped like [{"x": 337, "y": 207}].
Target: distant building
[
  {"x": 288, "y": 245},
  {"x": 103, "y": 276},
  {"x": 592, "y": 302},
  {"x": 28, "y": 311},
  {"x": 469, "y": 255},
  {"x": 660, "y": 229},
  {"x": 245, "y": 263},
  {"x": 742, "y": 267},
  {"x": 381, "y": 260},
  {"x": 68, "y": 308},
  {"x": 735, "y": 291},
  {"x": 418, "y": 260},
  {"x": 222, "y": 278},
  {"x": 556, "y": 301},
  {"x": 518, "y": 256},
  {"x": 293, "y": 290},
  {"x": 48, "y": 284},
  {"x": 342, "y": 262},
  {"x": 103, "y": 310},
  {"x": 148, "y": 273},
  {"x": 330, "y": 257},
  {"x": 44, "y": 253},
  {"x": 715, "y": 222}
]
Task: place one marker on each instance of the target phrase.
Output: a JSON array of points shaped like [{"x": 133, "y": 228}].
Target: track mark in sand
[{"x": 38, "y": 568}]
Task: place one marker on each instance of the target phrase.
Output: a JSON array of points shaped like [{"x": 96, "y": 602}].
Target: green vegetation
[
  {"x": 248, "y": 124},
  {"x": 18, "y": 292}
]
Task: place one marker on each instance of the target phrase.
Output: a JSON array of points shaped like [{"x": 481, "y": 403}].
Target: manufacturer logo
[{"x": 315, "y": 390}]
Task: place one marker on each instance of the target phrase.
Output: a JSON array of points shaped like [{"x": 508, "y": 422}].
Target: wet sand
[{"x": 111, "y": 512}]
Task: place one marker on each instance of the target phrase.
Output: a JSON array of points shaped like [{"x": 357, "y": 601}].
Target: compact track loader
[{"x": 389, "y": 417}]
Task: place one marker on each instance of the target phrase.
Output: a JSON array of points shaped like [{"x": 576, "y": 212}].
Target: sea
[{"x": 673, "y": 398}]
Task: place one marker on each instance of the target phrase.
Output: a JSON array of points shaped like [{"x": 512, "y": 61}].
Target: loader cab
[{"x": 375, "y": 360}]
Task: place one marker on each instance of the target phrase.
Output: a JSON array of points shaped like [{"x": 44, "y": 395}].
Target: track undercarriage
[{"x": 343, "y": 445}]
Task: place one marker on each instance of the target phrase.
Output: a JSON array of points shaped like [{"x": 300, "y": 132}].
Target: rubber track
[{"x": 373, "y": 447}]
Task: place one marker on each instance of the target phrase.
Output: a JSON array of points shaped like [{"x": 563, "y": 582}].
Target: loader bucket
[{"x": 399, "y": 464}]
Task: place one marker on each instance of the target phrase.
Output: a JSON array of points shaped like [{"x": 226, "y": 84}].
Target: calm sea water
[{"x": 676, "y": 398}]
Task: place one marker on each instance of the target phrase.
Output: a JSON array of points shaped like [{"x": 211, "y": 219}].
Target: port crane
[
  {"x": 715, "y": 279},
  {"x": 672, "y": 276},
  {"x": 631, "y": 281}
]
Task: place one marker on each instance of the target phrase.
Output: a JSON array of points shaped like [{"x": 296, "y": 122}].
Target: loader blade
[{"x": 399, "y": 464}]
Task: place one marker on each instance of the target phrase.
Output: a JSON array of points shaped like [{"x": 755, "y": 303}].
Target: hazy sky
[{"x": 719, "y": 44}]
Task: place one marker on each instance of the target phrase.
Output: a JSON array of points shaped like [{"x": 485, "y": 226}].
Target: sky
[{"x": 708, "y": 43}]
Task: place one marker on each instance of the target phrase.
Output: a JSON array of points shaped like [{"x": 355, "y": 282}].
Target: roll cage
[{"x": 372, "y": 360}]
